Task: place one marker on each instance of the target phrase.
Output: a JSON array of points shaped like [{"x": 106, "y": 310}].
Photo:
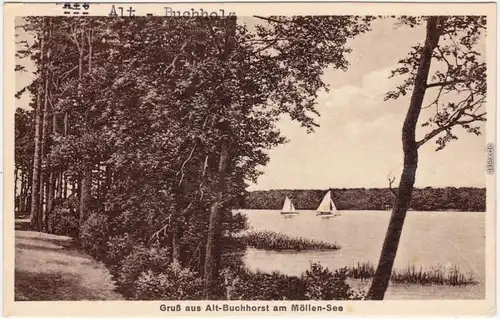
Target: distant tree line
[{"x": 424, "y": 199}]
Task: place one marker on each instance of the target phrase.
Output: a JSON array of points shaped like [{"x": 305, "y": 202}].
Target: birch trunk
[{"x": 402, "y": 202}]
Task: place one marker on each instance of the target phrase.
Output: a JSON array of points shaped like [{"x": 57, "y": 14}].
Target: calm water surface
[{"x": 429, "y": 239}]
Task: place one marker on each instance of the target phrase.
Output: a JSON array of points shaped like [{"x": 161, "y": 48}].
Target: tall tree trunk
[
  {"x": 66, "y": 120},
  {"x": 45, "y": 217},
  {"x": 85, "y": 192},
  {"x": 86, "y": 182},
  {"x": 52, "y": 175},
  {"x": 63, "y": 183},
  {"x": 212, "y": 253},
  {"x": 43, "y": 154},
  {"x": 78, "y": 187},
  {"x": 41, "y": 203},
  {"x": 17, "y": 199},
  {"x": 35, "y": 189},
  {"x": 37, "y": 159},
  {"x": 29, "y": 182},
  {"x": 59, "y": 185},
  {"x": 24, "y": 199},
  {"x": 65, "y": 186},
  {"x": 41, "y": 194},
  {"x": 402, "y": 202},
  {"x": 22, "y": 191}
]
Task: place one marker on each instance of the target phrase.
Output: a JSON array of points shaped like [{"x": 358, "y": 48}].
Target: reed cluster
[
  {"x": 451, "y": 276},
  {"x": 270, "y": 240}
]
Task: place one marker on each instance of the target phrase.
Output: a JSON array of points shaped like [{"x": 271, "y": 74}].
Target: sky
[{"x": 359, "y": 140}]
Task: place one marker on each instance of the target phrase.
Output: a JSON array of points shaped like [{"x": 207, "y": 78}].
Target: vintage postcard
[{"x": 249, "y": 158}]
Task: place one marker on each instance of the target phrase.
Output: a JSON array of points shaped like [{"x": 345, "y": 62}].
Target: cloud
[
  {"x": 359, "y": 143},
  {"x": 345, "y": 103},
  {"x": 377, "y": 83}
]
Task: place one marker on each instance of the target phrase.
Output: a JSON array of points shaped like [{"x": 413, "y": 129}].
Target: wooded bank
[{"x": 424, "y": 199}]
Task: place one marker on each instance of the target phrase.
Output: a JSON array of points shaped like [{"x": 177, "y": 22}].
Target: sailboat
[
  {"x": 288, "y": 208},
  {"x": 327, "y": 207}
]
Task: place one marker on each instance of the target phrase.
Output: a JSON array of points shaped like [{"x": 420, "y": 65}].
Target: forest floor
[{"x": 50, "y": 267}]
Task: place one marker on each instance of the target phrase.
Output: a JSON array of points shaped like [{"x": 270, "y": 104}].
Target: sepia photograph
[{"x": 206, "y": 155}]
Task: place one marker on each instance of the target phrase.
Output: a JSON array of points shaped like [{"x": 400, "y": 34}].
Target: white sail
[
  {"x": 334, "y": 208},
  {"x": 325, "y": 205},
  {"x": 287, "y": 205}
]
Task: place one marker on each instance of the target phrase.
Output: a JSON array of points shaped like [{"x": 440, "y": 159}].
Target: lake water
[{"x": 429, "y": 239}]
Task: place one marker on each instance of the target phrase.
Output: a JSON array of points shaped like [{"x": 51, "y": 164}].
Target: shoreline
[{"x": 361, "y": 210}]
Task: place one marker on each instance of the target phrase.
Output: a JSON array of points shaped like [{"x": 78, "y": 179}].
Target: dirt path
[{"x": 50, "y": 267}]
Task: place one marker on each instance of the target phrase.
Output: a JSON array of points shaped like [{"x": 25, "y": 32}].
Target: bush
[
  {"x": 246, "y": 285},
  {"x": 94, "y": 235},
  {"x": 317, "y": 283},
  {"x": 140, "y": 260},
  {"x": 118, "y": 247},
  {"x": 174, "y": 283},
  {"x": 322, "y": 284},
  {"x": 63, "y": 221}
]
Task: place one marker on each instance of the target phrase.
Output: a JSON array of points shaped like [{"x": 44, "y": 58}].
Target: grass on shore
[
  {"x": 269, "y": 240},
  {"x": 451, "y": 276}
]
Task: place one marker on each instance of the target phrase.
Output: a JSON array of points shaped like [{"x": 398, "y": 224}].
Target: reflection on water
[{"x": 429, "y": 239}]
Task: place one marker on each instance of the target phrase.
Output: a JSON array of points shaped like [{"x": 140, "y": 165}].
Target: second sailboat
[{"x": 327, "y": 207}]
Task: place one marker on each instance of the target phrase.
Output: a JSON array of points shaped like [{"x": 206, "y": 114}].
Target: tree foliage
[
  {"x": 140, "y": 110},
  {"x": 457, "y": 83}
]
